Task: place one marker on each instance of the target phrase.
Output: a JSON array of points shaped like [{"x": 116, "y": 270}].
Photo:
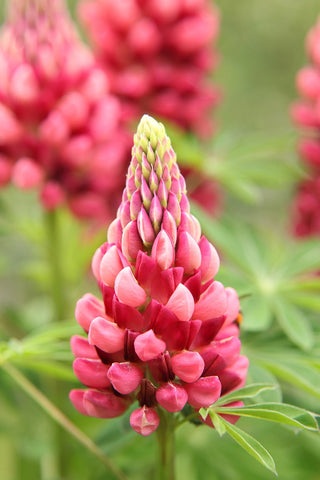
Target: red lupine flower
[
  {"x": 60, "y": 127},
  {"x": 306, "y": 113},
  {"x": 159, "y": 56},
  {"x": 165, "y": 334}
]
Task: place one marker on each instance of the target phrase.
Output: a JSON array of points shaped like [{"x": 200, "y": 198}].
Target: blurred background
[{"x": 261, "y": 45}]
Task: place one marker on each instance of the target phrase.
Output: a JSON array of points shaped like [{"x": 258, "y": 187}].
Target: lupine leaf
[
  {"x": 249, "y": 391},
  {"x": 275, "y": 412},
  {"x": 257, "y": 313},
  {"x": 248, "y": 443},
  {"x": 294, "y": 323}
]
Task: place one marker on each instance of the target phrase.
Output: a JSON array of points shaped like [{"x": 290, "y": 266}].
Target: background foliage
[{"x": 252, "y": 155}]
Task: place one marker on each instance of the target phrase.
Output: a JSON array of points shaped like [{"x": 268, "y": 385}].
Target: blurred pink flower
[
  {"x": 159, "y": 56},
  {"x": 306, "y": 114},
  {"x": 60, "y": 127},
  {"x": 167, "y": 332}
]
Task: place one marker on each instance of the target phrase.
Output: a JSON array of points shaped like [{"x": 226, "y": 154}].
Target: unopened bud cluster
[
  {"x": 306, "y": 113},
  {"x": 60, "y": 129},
  {"x": 166, "y": 333}
]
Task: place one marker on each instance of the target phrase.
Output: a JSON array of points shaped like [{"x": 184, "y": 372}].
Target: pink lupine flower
[
  {"x": 306, "y": 114},
  {"x": 60, "y": 128},
  {"x": 166, "y": 334},
  {"x": 160, "y": 57}
]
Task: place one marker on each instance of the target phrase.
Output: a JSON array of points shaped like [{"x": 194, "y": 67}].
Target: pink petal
[
  {"x": 110, "y": 266},
  {"x": 188, "y": 366},
  {"x": 144, "y": 420},
  {"x": 104, "y": 404},
  {"x": 172, "y": 397},
  {"x": 210, "y": 261},
  {"x": 92, "y": 373},
  {"x": 204, "y": 392},
  {"x": 81, "y": 348},
  {"x": 106, "y": 335},
  {"x": 181, "y": 303},
  {"x": 128, "y": 290},
  {"x": 233, "y": 305},
  {"x": 212, "y": 303},
  {"x": 125, "y": 377},
  {"x": 76, "y": 398},
  {"x": 148, "y": 346},
  {"x": 188, "y": 253},
  {"x": 88, "y": 308},
  {"x": 163, "y": 251}
]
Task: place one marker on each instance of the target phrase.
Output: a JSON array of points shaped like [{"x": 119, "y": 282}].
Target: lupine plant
[{"x": 161, "y": 385}]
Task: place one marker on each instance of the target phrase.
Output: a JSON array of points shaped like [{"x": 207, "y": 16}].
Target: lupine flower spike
[
  {"x": 58, "y": 122},
  {"x": 160, "y": 57},
  {"x": 306, "y": 113},
  {"x": 165, "y": 334}
]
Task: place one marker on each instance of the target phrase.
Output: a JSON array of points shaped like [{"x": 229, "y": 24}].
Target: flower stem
[
  {"x": 165, "y": 436},
  {"x": 61, "y": 419},
  {"x": 54, "y": 261}
]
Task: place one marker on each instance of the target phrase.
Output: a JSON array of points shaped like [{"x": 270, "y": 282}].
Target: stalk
[
  {"x": 54, "y": 262},
  {"x": 166, "y": 446}
]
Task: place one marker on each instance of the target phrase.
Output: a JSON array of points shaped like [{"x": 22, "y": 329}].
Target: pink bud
[
  {"x": 172, "y": 397},
  {"x": 204, "y": 392},
  {"x": 128, "y": 290},
  {"x": 155, "y": 212},
  {"x": 88, "y": 308},
  {"x": 181, "y": 303},
  {"x": 106, "y": 113},
  {"x": 106, "y": 335},
  {"x": 76, "y": 398},
  {"x": 74, "y": 109},
  {"x": 110, "y": 266},
  {"x": 52, "y": 195},
  {"x": 24, "y": 85},
  {"x": 233, "y": 305},
  {"x": 148, "y": 346},
  {"x": 115, "y": 231},
  {"x": 188, "y": 366},
  {"x": 308, "y": 82},
  {"x": 144, "y": 37},
  {"x": 54, "y": 129},
  {"x": 10, "y": 129},
  {"x": 125, "y": 377},
  {"x": 131, "y": 241},
  {"x": 144, "y": 420},
  {"x": 95, "y": 86},
  {"x": 92, "y": 373},
  {"x": 135, "y": 205},
  {"x": 81, "y": 348},
  {"x": 145, "y": 227},
  {"x": 104, "y": 404},
  {"x": 96, "y": 262},
  {"x": 5, "y": 170},
  {"x": 174, "y": 207},
  {"x": 26, "y": 174},
  {"x": 212, "y": 303},
  {"x": 210, "y": 261},
  {"x": 188, "y": 253},
  {"x": 170, "y": 226},
  {"x": 163, "y": 251}
]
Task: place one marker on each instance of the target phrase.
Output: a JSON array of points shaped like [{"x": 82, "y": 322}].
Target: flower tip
[{"x": 144, "y": 421}]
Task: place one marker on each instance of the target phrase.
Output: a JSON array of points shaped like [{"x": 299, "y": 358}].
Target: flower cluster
[
  {"x": 60, "y": 127},
  {"x": 158, "y": 55},
  {"x": 166, "y": 333},
  {"x": 306, "y": 113}
]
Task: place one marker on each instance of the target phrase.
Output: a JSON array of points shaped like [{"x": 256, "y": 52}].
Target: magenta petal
[
  {"x": 104, "y": 404},
  {"x": 176, "y": 334},
  {"x": 128, "y": 290},
  {"x": 106, "y": 335},
  {"x": 148, "y": 346},
  {"x": 92, "y": 373},
  {"x": 88, "y": 308},
  {"x": 144, "y": 420},
  {"x": 234, "y": 376},
  {"x": 146, "y": 269},
  {"x": 76, "y": 398},
  {"x": 208, "y": 331},
  {"x": 210, "y": 261},
  {"x": 181, "y": 303},
  {"x": 81, "y": 348},
  {"x": 194, "y": 285},
  {"x": 172, "y": 397},
  {"x": 188, "y": 253},
  {"x": 204, "y": 392},
  {"x": 188, "y": 366},
  {"x": 212, "y": 303},
  {"x": 127, "y": 317},
  {"x": 125, "y": 377}
]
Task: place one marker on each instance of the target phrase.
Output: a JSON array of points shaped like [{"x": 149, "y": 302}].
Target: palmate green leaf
[
  {"x": 248, "y": 443},
  {"x": 275, "y": 412},
  {"x": 293, "y": 323},
  {"x": 302, "y": 257},
  {"x": 307, "y": 300},
  {"x": 249, "y": 391},
  {"x": 257, "y": 312}
]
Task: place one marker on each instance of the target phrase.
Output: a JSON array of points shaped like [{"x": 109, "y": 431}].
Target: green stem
[
  {"x": 54, "y": 261},
  {"x": 165, "y": 436},
  {"x": 61, "y": 419}
]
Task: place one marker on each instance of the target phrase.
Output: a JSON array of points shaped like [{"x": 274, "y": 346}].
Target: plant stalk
[
  {"x": 54, "y": 262},
  {"x": 166, "y": 446}
]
